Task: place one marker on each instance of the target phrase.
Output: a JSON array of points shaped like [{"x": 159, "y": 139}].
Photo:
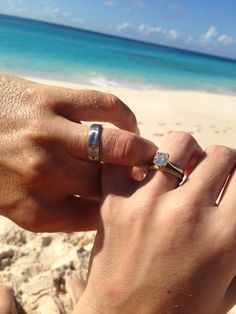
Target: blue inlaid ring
[{"x": 94, "y": 136}]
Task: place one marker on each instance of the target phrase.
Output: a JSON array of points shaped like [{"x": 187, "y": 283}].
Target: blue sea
[{"x": 39, "y": 49}]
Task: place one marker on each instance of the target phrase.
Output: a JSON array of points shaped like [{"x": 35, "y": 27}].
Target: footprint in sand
[
  {"x": 161, "y": 123},
  {"x": 139, "y": 122},
  {"x": 158, "y": 134},
  {"x": 217, "y": 131},
  {"x": 177, "y": 123},
  {"x": 212, "y": 126},
  {"x": 198, "y": 130}
]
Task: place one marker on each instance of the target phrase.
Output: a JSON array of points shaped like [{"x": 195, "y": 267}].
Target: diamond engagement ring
[
  {"x": 161, "y": 162},
  {"x": 94, "y": 136}
]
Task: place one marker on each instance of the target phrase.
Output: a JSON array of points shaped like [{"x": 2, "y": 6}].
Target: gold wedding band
[{"x": 161, "y": 162}]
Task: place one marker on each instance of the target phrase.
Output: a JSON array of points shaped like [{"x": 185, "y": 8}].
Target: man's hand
[
  {"x": 164, "y": 248},
  {"x": 43, "y": 153}
]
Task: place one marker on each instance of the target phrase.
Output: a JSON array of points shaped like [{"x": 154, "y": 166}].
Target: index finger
[{"x": 91, "y": 105}]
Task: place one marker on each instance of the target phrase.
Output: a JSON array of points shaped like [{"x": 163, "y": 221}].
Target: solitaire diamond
[{"x": 161, "y": 159}]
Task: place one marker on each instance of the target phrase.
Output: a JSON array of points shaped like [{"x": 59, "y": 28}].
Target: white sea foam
[
  {"x": 99, "y": 79},
  {"x": 103, "y": 81}
]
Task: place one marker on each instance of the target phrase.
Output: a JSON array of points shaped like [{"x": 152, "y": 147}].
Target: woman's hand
[
  {"x": 164, "y": 248},
  {"x": 43, "y": 153}
]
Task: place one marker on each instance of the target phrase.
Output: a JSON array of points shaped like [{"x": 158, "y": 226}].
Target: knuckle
[
  {"x": 121, "y": 146},
  {"x": 114, "y": 104},
  {"x": 131, "y": 148},
  {"x": 30, "y": 93},
  {"x": 47, "y": 96},
  {"x": 35, "y": 131},
  {"x": 181, "y": 137},
  {"x": 36, "y": 170},
  {"x": 131, "y": 117},
  {"x": 89, "y": 97},
  {"x": 118, "y": 108},
  {"x": 37, "y": 96},
  {"x": 219, "y": 150},
  {"x": 113, "y": 101}
]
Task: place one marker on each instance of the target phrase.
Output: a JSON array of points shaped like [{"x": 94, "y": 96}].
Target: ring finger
[{"x": 182, "y": 149}]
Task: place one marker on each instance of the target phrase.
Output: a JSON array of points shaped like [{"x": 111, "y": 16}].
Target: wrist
[
  {"x": 87, "y": 306},
  {"x": 90, "y": 303}
]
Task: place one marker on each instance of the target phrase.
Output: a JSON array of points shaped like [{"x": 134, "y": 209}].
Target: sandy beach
[{"x": 35, "y": 264}]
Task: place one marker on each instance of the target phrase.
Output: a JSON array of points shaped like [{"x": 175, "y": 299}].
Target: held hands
[
  {"x": 164, "y": 248},
  {"x": 43, "y": 153}
]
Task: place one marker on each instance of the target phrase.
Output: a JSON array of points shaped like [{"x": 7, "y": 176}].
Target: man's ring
[
  {"x": 94, "y": 136},
  {"x": 161, "y": 162}
]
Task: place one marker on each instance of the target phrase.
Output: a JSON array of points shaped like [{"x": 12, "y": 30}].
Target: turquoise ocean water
[{"x": 56, "y": 52}]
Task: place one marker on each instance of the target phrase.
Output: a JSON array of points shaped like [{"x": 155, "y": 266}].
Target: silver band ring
[
  {"x": 94, "y": 136},
  {"x": 161, "y": 162}
]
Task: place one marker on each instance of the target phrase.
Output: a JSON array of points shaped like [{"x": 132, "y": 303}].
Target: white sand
[{"x": 34, "y": 264}]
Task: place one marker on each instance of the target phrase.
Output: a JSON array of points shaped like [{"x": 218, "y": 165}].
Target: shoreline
[
  {"x": 209, "y": 117},
  {"x": 96, "y": 80}
]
